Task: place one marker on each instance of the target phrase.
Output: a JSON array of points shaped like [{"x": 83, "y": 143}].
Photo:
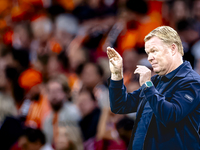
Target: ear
[{"x": 174, "y": 49}]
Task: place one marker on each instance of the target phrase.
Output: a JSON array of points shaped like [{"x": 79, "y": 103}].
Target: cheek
[
  {"x": 60, "y": 95},
  {"x": 165, "y": 62},
  {"x": 160, "y": 58}
]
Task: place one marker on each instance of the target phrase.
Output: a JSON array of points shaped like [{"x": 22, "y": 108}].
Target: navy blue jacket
[{"x": 175, "y": 120}]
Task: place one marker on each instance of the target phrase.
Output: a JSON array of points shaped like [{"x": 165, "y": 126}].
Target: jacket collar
[
  {"x": 181, "y": 71},
  {"x": 184, "y": 70}
]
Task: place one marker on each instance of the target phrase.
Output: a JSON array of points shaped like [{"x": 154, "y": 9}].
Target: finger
[
  {"x": 108, "y": 53},
  {"x": 113, "y": 52},
  {"x": 137, "y": 71},
  {"x": 139, "y": 67}
]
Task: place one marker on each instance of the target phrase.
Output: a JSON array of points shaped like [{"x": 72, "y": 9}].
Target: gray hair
[{"x": 168, "y": 35}]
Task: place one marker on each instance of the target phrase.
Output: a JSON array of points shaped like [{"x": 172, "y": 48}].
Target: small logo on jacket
[{"x": 188, "y": 97}]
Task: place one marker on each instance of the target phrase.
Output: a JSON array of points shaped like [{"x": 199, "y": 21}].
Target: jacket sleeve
[
  {"x": 122, "y": 102},
  {"x": 174, "y": 108}
]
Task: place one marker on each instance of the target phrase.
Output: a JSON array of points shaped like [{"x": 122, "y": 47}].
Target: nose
[{"x": 150, "y": 57}]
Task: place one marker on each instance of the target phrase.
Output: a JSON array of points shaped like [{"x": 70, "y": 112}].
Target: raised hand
[{"x": 115, "y": 62}]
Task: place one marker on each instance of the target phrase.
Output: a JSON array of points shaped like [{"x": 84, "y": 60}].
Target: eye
[{"x": 154, "y": 51}]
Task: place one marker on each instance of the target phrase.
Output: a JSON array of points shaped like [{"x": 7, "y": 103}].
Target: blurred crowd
[{"x": 54, "y": 67}]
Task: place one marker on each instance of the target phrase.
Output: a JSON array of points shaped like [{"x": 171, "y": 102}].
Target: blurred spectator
[
  {"x": 69, "y": 137},
  {"x": 12, "y": 85},
  {"x": 104, "y": 63},
  {"x": 66, "y": 27},
  {"x": 91, "y": 9},
  {"x": 12, "y": 63},
  {"x": 130, "y": 59},
  {"x": 102, "y": 95},
  {"x": 38, "y": 105},
  {"x": 41, "y": 28},
  {"x": 124, "y": 128},
  {"x": 189, "y": 36},
  {"x": 11, "y": 129},
  {"x": 107, "y": 137},
  {"x": 196, "y": 9},
  {"x": 179, "y": 11},
  {"x": 7, "y": 107},
  {"x": 30, "y": 78},
  {"x": 53, "y": 67},
  {"x": 21, "y": 58},
  {"x": 62, "y": 110},
  {"x": 138, "y": 23},
  {"x": 195, "y": 14},
  {"x": 195, "y": 51},
  {"x": 87, "y": 104},
  {"x": 95, "y": 74},
  {"x": 5, "y": 60},
  {"x": 91, "y": 78},
  {"x": 77, "y": 57},
  {"x": 22, "y": 36},
  {"x": 31, "y": 139},
  {"x": 96, "y": 19}
]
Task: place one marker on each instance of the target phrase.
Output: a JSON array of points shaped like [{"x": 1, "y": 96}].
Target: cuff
[
  {"x": 115, "y": 84},
  {"x": 149, "y": 92}
]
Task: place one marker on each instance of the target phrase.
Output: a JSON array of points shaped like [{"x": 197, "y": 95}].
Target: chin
[{"x": 156, "y": 70}]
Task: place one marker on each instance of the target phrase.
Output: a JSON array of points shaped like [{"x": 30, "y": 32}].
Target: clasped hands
[{"x": 116, "y": 67}]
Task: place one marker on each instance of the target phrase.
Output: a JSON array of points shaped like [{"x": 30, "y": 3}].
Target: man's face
[
  {"x": 90, "y": 76},
  {"x": 56, "y": 94},
  {"x": 159, "y": 55}
]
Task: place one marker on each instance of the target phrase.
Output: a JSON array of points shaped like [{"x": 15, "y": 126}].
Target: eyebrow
[{"x": 153, "y": 48}]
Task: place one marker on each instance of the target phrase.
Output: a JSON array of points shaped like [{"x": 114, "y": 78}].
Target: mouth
[{"x": 153, "y": 64}]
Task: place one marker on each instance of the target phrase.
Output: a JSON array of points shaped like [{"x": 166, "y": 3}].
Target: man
[
  {"x": 62, "y": 110},
  {"x": 168, "y": 104},
  {"x": 35, "y": 106}
]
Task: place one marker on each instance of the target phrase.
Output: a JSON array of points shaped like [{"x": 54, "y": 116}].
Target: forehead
[{"x": 154, "y": 42}]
